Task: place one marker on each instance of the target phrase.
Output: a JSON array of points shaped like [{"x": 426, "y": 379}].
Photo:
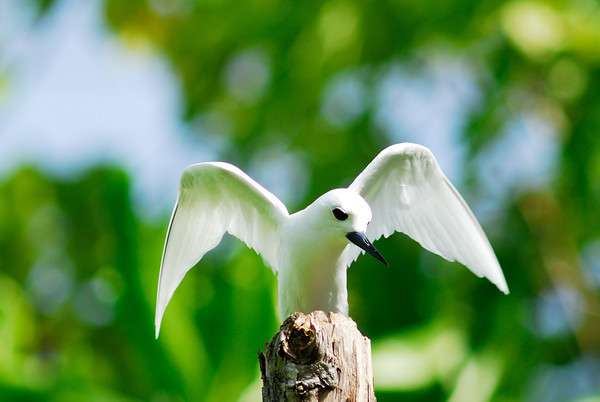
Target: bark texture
[{"x": 317, "y": 357}]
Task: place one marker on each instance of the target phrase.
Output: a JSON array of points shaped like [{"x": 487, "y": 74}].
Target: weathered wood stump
[{"x": 317, "y": 357}]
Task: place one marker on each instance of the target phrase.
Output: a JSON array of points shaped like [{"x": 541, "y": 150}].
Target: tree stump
[{"x": 317, "y": 357}]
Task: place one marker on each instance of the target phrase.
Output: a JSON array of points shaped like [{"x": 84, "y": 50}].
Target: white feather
[
  {"x": 402, "y": 189},
  {"x": 215, "y": 198},
  {"x": 408, "y": 192}
]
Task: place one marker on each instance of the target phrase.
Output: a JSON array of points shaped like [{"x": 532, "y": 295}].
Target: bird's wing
[
  {"x": 215, "y": 198},
  {"x": 409, "y": 193}
]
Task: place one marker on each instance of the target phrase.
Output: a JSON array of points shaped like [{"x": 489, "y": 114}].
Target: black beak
[{"x": 360, "y": 239}]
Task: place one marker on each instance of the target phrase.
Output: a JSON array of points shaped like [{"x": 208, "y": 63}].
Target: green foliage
[{"x": 79, "y": 265}]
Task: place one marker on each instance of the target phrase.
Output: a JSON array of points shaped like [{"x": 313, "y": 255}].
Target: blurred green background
[{"x": 103, "y": 103}]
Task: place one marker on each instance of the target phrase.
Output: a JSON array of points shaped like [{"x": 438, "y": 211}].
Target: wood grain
[{"x": 317, "y": 357}]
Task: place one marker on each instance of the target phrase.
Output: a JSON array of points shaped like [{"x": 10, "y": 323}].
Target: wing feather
[
  {"x": 215, "y": 198},
  {"x": 409, "y": 193}
]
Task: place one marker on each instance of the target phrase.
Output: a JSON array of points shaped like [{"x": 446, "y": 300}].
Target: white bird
[{"x": 403, "y": 189}]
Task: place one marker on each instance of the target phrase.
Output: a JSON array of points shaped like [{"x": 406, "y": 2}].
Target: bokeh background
[{"x": 103, "y": 103}]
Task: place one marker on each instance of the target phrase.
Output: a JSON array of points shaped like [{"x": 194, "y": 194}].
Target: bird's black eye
[{"x": 339, "y": 214}]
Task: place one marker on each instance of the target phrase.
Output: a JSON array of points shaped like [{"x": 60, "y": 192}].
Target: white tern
[{"x": 403, "y": 189}]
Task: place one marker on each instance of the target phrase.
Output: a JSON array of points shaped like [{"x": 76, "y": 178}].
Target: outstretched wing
[
  {"x": 215, "y": 198},
  {"x": 409, "y": 193}
]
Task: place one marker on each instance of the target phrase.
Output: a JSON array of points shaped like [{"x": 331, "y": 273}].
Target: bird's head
[{"x": 346, "y": 214}]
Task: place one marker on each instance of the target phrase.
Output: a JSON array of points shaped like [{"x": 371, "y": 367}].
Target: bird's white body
[
  {"x": 311, "y": 271},
  {"x": 310, "y": 276},
  {"x": 402, "y": 189}
]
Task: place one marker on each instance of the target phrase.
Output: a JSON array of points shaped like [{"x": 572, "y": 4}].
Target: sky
[
  {"x": 72, "y": 95},
  {"x": 77, "y": 97}
]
